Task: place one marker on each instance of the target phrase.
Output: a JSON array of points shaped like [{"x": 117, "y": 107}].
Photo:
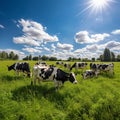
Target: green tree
[
  {"x": 112, "y": 56},
  {"x": 35, "y": 58},
  {"x": 118, "y": 57},
  {"x": 4, "y": 55},
  {"x": 53, "y": 59},
  {"x": 44, "y": 57},
  {"x": 11, "y": 55},
  {"x": 101, "y": 58},
  {"x": 107, "y": 55},
  {"x": 30, "y": 57},
  {"x": 16, "y": 57}
]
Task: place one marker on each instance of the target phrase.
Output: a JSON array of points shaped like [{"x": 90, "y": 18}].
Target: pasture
[{"x": 90, "y": 99}]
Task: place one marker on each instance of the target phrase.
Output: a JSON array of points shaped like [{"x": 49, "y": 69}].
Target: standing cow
[
  {"x": 102, "y": 67},
  {"x": 43, "y": 73},
  {"x": 20, "y": 67},
  {"x": 79, "y": 65}
]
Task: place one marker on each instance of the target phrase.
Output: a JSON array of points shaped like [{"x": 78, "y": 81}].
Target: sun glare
[{"x": 97, "y": 6}]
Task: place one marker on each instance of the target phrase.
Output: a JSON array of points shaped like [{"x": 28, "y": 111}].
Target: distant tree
[
  {"x": 35, "y": 58},
  {"x": 26, "y": 58},
  {"x": 118, "y": 57},
  {"x": 101, "y": 58},
  {"x": 44, "y": 58},
  {"x": 107, "y": 55},
  {"x": 93, "y": 59},
  {"x": 30, "y": 57},
  {"x": 112, "y": 56},
  {"x": 11, "y": 55},
  {"x": 53, "y": 59},
  {"x": 4, "y": 55},
  {"x": 16, "y": 57},
  {"x": 69, "y": 59}
]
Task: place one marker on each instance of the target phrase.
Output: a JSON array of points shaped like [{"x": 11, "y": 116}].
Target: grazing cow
[
  {"x": 20, "y": 67},
  {"x": 59, "y": 63},
  {"x": 78, "y": 65},
  {"x": 67, "y": 65},
  {"x": 89, "y": 73},
  {"x": 52, "y": 74},
  {"x": 102, "y": 67}
]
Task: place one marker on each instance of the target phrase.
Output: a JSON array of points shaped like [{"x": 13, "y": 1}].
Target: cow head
[
  {"x": 29, "y": 74},
  {"x": 72, "y": 78},
  {"x": 10, "y": 67}
]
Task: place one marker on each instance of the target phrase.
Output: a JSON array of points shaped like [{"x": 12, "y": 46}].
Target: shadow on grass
[
  {"x": 10, "y": 78},
  {"x": 31, "y": 92}
]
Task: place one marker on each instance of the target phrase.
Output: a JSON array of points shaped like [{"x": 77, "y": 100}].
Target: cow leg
[
  {"x": 39, "y": 81},
  {"x": 34, "y": 81},
  {"x": 17, "y": 72}
]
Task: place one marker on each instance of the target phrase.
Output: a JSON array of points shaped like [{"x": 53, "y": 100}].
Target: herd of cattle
[{"x": 43, "y": 72}]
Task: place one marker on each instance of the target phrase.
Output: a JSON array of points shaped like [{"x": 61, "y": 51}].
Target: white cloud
[
  {"x": 47, "y": 49},
  {"x": 31, "y": 50},
  {"x": 112, "y": 44},
  {"x": 99, "y": 37},
  {"x": 85, "y": 37},
  {"x": 26, "y": 40},
  {"x": 116, "y": 32},
  {"x": 1, "y": 26},
  {"x": 64, "y": 46},
  {"x": 95, "y": 50},
  {"x": 33, "y": 34},
  {"x": 92, "y": 48}
]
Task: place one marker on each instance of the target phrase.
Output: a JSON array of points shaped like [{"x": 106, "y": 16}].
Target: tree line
[
  {"x": 109, "y": 56},
  {"x": 106, "y": 56},
  {"x": 8, "y": 56}
]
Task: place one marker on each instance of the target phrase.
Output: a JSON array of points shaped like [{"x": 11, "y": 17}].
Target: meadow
[{"x": 90, "y": 99}]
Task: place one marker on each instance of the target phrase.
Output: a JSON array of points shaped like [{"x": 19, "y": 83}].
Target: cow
[
  {"x": 59, "y": 63},
  {"x": 89, "y": 73},
  {"x": 67, "y": 65},
  {"x": 107, "y": 68},
  {"x": 102, "y": 67},
  {"x": 78, "y": 65},
  {"x": 57, "y": 75},
  {"x": 20, "y": 67}
]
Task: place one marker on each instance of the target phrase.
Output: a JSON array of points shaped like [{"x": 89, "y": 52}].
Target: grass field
[{"x": 90, "y": 99}]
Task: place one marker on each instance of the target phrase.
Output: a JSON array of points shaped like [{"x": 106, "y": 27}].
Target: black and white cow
[
  {"x": 67, "y": 65},
  {"x": 52, "y": 74},
  {"x": 102, "y": 67},
  {"x": 20, "y": 67},
  {"x": 79, "y": 65},
  {"x": 89, "y": 74}
]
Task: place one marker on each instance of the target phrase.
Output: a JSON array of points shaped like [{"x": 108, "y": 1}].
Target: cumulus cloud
[
  {"x": 46, "y": 48},
  {"x": 31, "y": 50},
  {"x": 33, "y": 34},
  {"x": 95, "y": 50},
  {"x": 64, "y": 46},
  {"x": 26, "y": 40},
  {"x": 92, "y": 48},
  {"x": 116, "y": 32},
  {"x": 1, "y": 26},
  {"x": 112, "y": 44},
  {"x": 85, "y": 37}
]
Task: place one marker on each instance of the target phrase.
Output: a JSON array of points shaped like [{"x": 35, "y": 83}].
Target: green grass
[{"x": 90, "y": 99}]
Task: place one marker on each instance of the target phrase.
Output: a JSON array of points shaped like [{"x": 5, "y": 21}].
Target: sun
[
  {"x": 99, "y": 3},
  {"x": 97, "y": 6}
]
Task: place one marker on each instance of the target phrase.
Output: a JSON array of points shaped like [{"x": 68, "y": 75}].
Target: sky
[{"x": 60, "y": 28}]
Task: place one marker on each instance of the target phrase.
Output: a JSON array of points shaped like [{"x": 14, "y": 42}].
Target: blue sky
[{"x": 60, "y": 28}]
